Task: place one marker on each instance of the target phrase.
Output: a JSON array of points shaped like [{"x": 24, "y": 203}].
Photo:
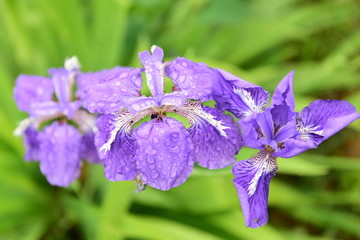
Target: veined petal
[
  {"x": 194, "y": 112},
  {"x": 107, "y": 91},
  {"x": 31, "y": 144},
  {"x": 154, "y": 69},
  {"x": 120, "y": 160},
  {"x": 326, "y": 117},
  {"x": 165, "y": 158},
  {"x": 252, "y": 179},
  {"x": 32, "y": 89},
  {"x": 111, "y": 124},
  {"x": 59, "y": 153},
  {"x": 250, "y": 101},
  {"x": 45, "y": 109},
  {"x": 212, "y": 150},
  {"x": 317, "y": 122},
  {"x": 284, "y": 92},
  {"x": 195, "y": 79},
  {"x": 238, "y": 96}
]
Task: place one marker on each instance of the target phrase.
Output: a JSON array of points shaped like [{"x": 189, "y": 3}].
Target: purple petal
[
  {"x": 89, "y": 151},
  {"x": 177, "y": 98},
  {"x": 195, "y": 79},
  {"x": 32, "y": 89},
  {"x": 119, "y": 161},
  {"x": 284, "y": 92},
  {"x": 138, "y": 104},
  {"x": 234, "y": 80},
  {"x": 239, "y": 96},
  {"x": 165, "y": 157},
  {"x": 62, "y": 81},
  {"x": 252, "y": 179},
  {"x": 31, "y": 144},
  {"x": 212, "y": 150},
  {"x": 317, "y": 122},
  {"x": 154, "y": 69},
  {"x": 329, "y": 115},
  {"x": 59, "y": 153},
  {"x": 111, "y": 90},
  {"x": 45, "y": 109}
]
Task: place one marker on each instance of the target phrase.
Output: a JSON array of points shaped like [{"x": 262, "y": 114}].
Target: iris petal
[
  {"x": 112, "y": 89},
  {"x": 154, "y": 69},
  {"x": 26, "y": 94},
  {"x": 317, "y": 122},
  {"x": 284, "y": 92},
  {"x": 119, "y": 161},
  {"x": 195, "y": 79},
  {"x": 59, "y": 153},
  {"x": 31, "y": 144},
  {"x": 212, "y": 150},
  {"x": 252, "y": 179},
  {"x": 165, "y": 157}
]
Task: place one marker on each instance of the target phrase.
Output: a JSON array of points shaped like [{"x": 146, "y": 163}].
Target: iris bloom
[
  {"x": 278, "y": 131},
  {"x": 49, "y": 133},
  {"x": 160, "y": 152}
]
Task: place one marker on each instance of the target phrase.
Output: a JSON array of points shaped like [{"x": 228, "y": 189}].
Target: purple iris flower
[
  {"x": 160, "y": 152},
  {"x": 279, "y": 131},
  {"x": 50, "y": 135}
]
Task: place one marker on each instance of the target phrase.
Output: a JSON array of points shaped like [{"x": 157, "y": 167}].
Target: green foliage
[{"x": 314, "y": 196}]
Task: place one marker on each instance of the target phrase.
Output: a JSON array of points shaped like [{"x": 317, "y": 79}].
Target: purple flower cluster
[{"x": 161, "y": 152}]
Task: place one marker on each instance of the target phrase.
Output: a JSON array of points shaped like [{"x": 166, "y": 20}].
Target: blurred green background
[{"x": 314, "y": 196}]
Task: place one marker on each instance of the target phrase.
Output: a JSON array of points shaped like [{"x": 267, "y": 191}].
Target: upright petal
[
  {"x": 111, "y": 90},
  {"x": 154, "y": 69},
  {"x": 32, "y": 89},
  {"x": 195, "y": 79},
  {"x": 252, "y": 179},
  {"x": 165, "y": 157},
  {"x": 62, "y": 81},
  {"x": 59, "y": 155},
  {"x": 211, "y": 149},
  {"x": 284, "y": 92}
]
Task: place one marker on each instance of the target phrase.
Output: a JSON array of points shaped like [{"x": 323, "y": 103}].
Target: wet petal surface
[
  {"x": 59, "y": 153},
  {"x": 165, "y": 157}
]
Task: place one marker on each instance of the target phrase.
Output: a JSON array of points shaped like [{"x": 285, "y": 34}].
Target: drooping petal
[
  {"x": 59, "y": 154},
  {"x": 238, "y": 96},
  {"x": 119, "y": 159},
  {"x": 31, "y": 144},
  {"x": 88, "y": 150},
  {"x": 195, "y": 79},
  {"x": 284, "y": 92},
  {"x": 252, "y": 179},
  {"x": 32, "y": 89},
  {"x": 317, "y": 122},
  {"x": 211, "y": 149},
  {"x": 107, "y": 91},
  {"x": 165, "y": 158},
  {"x": 154, "y": 69}
]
